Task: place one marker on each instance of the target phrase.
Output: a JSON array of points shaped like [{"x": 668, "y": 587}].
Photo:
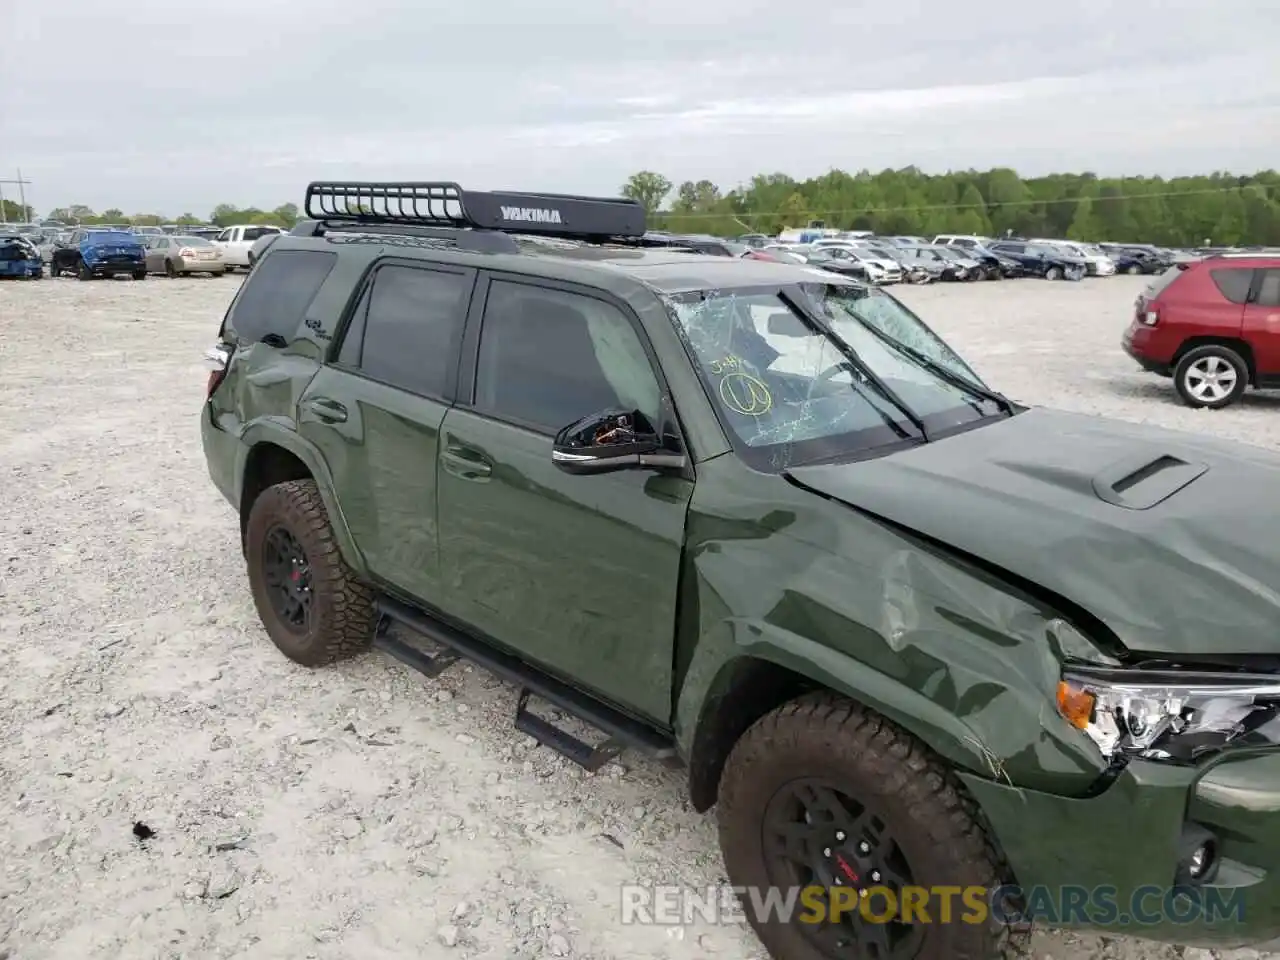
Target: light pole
[{"x": 22, "y": 195}]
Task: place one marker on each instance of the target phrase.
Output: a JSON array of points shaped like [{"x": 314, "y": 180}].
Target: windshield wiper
[
  {"x": 944, "y": 372},
  {"x": 858, "y": 363}
]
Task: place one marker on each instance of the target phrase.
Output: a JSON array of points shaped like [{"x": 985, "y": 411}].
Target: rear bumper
[
  {"x": 104, "y": 267},
  {"x": 1118, "y": 851},
  {"x": 220, "y": 452},
  {"x": 201, "y": 266},
  {"x": 1140, "y": 342}
]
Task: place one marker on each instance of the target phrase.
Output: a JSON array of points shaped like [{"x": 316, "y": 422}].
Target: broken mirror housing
[{"x": 1170, "y": 715}]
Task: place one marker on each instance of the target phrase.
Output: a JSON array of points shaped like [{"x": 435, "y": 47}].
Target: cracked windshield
[{"x": 778, "y": 377}]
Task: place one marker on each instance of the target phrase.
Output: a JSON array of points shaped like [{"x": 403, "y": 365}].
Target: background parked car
[
  {"x": 178, "y": 256},
  {"x": 1138, "y": 258},
  {"x": 825, "y": 258},
  {"x": 19, "y": 257},
  {"x": 92, "y": 253},
  {"x": 236, "y": 242},
  {"x": 1041, "y": 260},
  {"x": 1096, "y": 262},
  {"x": 1209, "y": 325}
]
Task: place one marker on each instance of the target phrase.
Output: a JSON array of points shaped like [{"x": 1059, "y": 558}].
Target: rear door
[
  {"x": 1261, "y": 327},
  {"x": 375, "y": 414},
  {"x": 576, "y": 573}
]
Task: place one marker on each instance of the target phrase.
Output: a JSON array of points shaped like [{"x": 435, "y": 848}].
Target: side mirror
[{"x": 610, "y": 441}]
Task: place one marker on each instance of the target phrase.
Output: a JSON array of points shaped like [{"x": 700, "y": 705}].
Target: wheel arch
[
  {"x": 748, "y": 687},
  {"x": 1237, "y": 344},
  {"x": 274, "y": 455}
]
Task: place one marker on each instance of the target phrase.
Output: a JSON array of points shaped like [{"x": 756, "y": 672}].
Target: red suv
[{"x": 1213, "y": 325}]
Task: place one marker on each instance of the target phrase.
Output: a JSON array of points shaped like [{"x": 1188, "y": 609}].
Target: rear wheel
[
  {"x": 312, "y": 604},
  {"x": 1053, "y": 273},
  {"x": 822, "y": 793},
  {"x": 1133, "y": 269},
  {"x": 1212, "y": 377}
]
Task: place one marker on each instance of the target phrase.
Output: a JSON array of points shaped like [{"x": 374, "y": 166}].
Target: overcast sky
[{"x": 161, "y": 105}]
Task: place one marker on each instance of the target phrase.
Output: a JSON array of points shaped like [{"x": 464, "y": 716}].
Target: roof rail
[{"x": 445, "y": 204}]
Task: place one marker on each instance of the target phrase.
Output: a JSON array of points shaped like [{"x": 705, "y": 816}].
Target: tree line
[
  {"x": 1218, "y": 209},
  {"x": 223, "y": 215}
]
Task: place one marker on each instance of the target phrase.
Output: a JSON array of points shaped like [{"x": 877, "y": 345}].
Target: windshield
[
  {"x": 110, "y": 237},
  {"x": 786, "y": 392}
]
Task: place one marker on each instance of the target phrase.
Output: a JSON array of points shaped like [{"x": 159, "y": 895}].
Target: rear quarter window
[
  {"x": 278, "y": 293},
  {"x": 1233, "y": 283},
  {"x": 1162, "y": 282}
]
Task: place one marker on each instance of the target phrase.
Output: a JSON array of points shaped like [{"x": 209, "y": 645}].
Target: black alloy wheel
[
  {"x": 287, "y": 574},
  {"x": 817, "y": 836}
]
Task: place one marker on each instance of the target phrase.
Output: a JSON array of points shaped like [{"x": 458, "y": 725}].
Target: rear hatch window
[
  {"x": 276, "y": 296},
  {"x": 1162, "y": 282}
]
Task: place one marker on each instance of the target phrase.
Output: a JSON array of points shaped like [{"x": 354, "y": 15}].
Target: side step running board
[{"x": 621, "y": 731}]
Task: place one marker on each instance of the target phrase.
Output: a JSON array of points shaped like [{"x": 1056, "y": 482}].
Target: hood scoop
[{"x": 1141, "y": 482}]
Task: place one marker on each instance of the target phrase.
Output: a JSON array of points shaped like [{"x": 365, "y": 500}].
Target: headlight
[{"x": 1171, "y": 715}]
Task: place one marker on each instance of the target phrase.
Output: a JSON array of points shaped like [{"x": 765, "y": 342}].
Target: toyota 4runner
[{"x": 761, "y": 521}]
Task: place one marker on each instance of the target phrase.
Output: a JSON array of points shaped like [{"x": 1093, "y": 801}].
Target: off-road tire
[
  {"x": 1222, "y": 352},
  {"x": 343, "y": 617},
  {"x": 922, "y": 804}
]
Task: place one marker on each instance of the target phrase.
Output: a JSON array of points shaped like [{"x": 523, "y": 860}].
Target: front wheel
[
  {"x": 825, "y": 796},
  {"x": 314, "y": 607},
  {"x": 84, "y": 273},
  {"x": 140, "y": 274},
  {"x": 1212, "y": 377}
]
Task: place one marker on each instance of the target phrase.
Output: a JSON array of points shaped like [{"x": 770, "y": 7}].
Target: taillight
[
  {"x": 216, "y": 358},
  {"x": 186, "y": 252}
]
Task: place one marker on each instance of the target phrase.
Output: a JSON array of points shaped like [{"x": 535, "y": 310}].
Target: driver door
[{"x": 578, "y": 574}]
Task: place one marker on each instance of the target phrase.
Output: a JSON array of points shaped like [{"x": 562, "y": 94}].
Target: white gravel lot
[{"x": 360, "y": 811}]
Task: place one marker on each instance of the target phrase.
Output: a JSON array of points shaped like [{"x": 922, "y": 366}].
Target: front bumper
[{"x": 1120, "y": 848}]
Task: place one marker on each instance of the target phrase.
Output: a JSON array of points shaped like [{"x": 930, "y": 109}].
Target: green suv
[{"x": 916, "y": 642}]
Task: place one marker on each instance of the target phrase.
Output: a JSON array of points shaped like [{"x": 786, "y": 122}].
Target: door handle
[
  {"x": 330, "y": 411},
  {"x": 466, "y": 464}
]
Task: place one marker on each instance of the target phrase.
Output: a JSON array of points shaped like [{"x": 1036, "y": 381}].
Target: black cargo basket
[{"x": 444, "y": 204}]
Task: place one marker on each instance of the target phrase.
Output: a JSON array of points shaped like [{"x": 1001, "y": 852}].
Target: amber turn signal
[{"x": 1075, "y": 705}]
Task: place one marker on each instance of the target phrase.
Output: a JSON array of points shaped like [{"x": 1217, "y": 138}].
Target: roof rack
[{"x": 445, "y": 204}]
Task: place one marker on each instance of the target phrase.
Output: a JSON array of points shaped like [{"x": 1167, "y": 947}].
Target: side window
[
  {"x": 1269, "y": 294},
  {"x": 278, "y": 292},
  {"x": 1233, "y": 284},
  {"x": 413, "y": 327},
  {"x": 549, "y": 358},
  {"x": 252, "y": 233},
  {"x": 224, "y": 236}
]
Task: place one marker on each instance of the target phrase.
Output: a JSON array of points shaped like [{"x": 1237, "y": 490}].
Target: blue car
[
  {"x": 100, "y": 253},
  {"x": 19, "y": 257}
]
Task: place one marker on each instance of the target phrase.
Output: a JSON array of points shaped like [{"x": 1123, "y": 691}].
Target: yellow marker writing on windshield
[{"x": 744, "y": 394}]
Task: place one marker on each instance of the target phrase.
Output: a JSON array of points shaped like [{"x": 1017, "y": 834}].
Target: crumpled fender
[{"x": 955, "y": 657}]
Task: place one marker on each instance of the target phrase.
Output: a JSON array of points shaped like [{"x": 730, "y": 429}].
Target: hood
[{"x": 1171, "y": 540}]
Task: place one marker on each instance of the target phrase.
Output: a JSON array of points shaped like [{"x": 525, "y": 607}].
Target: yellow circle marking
[{"x": 744, "y": 394}]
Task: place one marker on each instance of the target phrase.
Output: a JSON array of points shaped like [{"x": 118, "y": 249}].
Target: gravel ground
[{"x": 357, "y": 811}]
